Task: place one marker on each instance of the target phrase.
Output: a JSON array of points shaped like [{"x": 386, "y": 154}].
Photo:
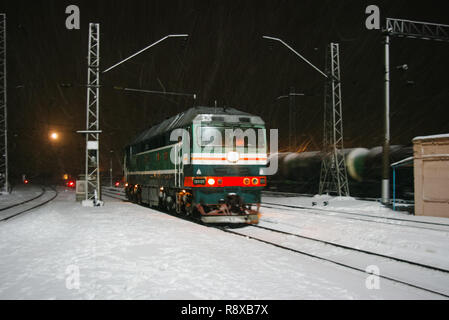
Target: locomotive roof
[{"x": 183, "y": 119}]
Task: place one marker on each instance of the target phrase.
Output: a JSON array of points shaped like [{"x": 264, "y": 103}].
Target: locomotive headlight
[
  {"x": 211, "y": 181},
  {"x": 233, "y": 156}
]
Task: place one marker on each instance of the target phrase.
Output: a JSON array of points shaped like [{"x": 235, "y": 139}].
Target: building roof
[
  {"x": 437, "y": 136},
  {"x": 404, "y": 162}
]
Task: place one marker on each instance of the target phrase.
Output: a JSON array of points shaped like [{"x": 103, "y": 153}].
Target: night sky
[{"x": 224, "y": 59}]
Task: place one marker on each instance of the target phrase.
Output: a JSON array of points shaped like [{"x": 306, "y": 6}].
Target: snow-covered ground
[
  {"x": 125, "y": 251},
  {"x": 348, "y": 204}
]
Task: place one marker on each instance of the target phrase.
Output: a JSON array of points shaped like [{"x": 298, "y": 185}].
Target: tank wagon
[
  {"x": 361, "y": 164},
  {"x": 364, "y": 167},
  {"x": 189, "y": 165}
]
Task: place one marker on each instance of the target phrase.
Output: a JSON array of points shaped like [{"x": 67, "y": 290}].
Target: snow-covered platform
[{"x": 126, "y": 251}]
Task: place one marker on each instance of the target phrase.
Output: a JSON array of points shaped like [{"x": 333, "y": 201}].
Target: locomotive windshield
[
  {"x": 248, "y": 137},
  {"x": 212, "y": 137}
]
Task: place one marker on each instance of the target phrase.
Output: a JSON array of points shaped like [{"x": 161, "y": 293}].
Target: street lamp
[
  {"x": 93, "y": 109},
  {"x": 146, "y": 48},
  {"x": 403, "y": 67},
  {"x": 291, "y": 118},
  {"x": 291, "y": 96},
  {"x": 54, "y": 136},
  {"x": 299, "y": 55},
  {"x": 333, "y": 170},
  {"x": 137, "y": 90}
]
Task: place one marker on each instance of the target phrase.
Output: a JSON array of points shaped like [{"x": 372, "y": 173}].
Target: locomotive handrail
[{"x": 178, "y": 163}]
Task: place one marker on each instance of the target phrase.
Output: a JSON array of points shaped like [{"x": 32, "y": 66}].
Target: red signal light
[{"x": 26, "y": 181}]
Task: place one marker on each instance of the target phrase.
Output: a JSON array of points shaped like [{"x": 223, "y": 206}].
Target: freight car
[{"x": 205, "y": 162}]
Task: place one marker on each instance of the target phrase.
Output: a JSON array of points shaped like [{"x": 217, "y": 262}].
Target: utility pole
[
  {"x": 405, "y": 29},
  {"x": 110, "y": 167},
  {"x": 386, "y": 145},
  {"x": 4, "y": 183},
  {"x": 92, "y": 159},
  {"x": 333, "y": 176},
  {"x": 291, "y": 121}
]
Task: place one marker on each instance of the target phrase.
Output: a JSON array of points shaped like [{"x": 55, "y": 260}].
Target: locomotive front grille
[{"x": 221, "y": 171}]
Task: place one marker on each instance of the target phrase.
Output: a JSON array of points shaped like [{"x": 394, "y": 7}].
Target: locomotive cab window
[
  {"x": 211, "y": 137},
  {"x": 232, "y": 137}
]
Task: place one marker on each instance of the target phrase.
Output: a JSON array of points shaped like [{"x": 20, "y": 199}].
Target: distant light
[
  {"x": 211, "y": 181},
  {"x": 117, "y": 184},
  {"x": 54, "y": 136}
]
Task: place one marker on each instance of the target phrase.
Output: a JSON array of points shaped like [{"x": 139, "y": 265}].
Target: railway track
[
  {"x": 359, "y": 260},
  {"x": 362, "y": 217},
  {"x": 25, "y": 201},
  {"x": 354, "y": 249},
  {"x": 309, "y": 195},
  {"x": 120, "y": 195},
  {"x": 20, "y": 208},
  {"x": 430, "y": 275},
  {"x": 114, "y": 193}
]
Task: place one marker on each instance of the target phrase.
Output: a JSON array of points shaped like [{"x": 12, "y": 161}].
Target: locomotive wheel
[
  {"x": 196, "y": 215},
  {"x": 178, "y": 208},
  {"x": 188, "y": 210},
  {"x": 170, "y": 206},
  {"x": 160, "y": 205},
  {"x": 139, "y": 198},
  {"x": 129, "y": 194},
  {"x": 132, "y": 197}
]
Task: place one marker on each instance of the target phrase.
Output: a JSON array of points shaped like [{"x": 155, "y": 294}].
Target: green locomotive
[{"x": 205, "y": 162}]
